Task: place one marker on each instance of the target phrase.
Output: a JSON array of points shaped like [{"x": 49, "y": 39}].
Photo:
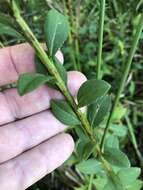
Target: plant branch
[
  {"x": 100, "y": 37},
  {"x": 51, "y": 68},
  {"x": 133, "y": 140},
  {"x": 125, "y": 75},
  {"x": 90, "y": 182}
]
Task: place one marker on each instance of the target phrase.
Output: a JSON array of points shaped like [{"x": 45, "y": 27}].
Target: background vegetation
[{"x": 80, "y": 53}]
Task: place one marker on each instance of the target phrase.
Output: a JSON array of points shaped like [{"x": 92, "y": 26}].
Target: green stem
[
  {"x": 90, "y": 182},
  {"x": 100, "y": 37},
  {"x": 70, "y": 39},
  {"x": 133, "y": 140},
  {"x": 125, "y": 75},
  {"x": 77, "y": 35}
]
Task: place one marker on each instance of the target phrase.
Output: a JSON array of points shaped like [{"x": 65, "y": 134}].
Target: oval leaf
[
  {"x": 56, "y": 31},
  {"x": 112, "y": 142},
  {"x": 98, "y": 110},
  {"x": 129, "y": 175},
  {"x": 90, "y": 166},
  {"x": 116, "y": 157},
  {"x": 29, "y": 82},
  {"x": 91, "y": 91},
  {"x": 114, "y": 183},
  {"x": 137, "y": 185},
  {"x": 64, "y": 112}
]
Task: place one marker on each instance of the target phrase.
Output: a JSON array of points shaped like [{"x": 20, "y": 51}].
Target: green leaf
[
  {"x": 99, "y": 110},
  {"x": 116, "y": 157},
  {"x": 40, "y": 68},
  {"x": 99, "y": 183},
  {"x": 89, "y": 148},
  {"x": 56, "y": 31},
  {"x": 81, "y": 134},
  {"x": 84, "y": 148},
  {"x": 80, "y": 145},
  {"x": 91, "y": 91},
  {"x": 128, "y": 175},
  {"x": 90, "y": 166},
  {"x": 114, "y": 183},
  {"x": 81, "y": 188},
  {"x": 112, "y": 142},
  {"x": 64, "y": 112},
  {"x": 119, "y": 130},
  {"x": 29, "y": 82},
  {"x": 137, "y": 185},
  {"x": 8, "y": 30},
  {"x": 119, "y": 113}
]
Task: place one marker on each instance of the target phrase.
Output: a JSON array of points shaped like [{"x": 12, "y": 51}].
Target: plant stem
[
  {"x": 72, "y": 54},
  {"x": 133, "y": 140},
  {"x": 77, "y": 34},
  {"x": 125, "y": 75},
  {"x": 90, "y": 182},
  {"x": 100, "y": 37}
]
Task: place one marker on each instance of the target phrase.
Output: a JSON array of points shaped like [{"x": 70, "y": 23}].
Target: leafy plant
[{"x": 98, "y": 156}]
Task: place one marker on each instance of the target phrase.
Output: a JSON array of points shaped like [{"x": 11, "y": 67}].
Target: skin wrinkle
[
  {"x": 12, "y": 105},
  {"x": 12, "y": 61},
  {"x": 24, "y": 62},
  {"x": 6, "y": 115}
]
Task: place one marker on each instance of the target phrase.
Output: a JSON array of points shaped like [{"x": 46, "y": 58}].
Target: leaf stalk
[{"x": 100, "y": 38}]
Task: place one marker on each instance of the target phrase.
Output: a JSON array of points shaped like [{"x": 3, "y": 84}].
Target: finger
[
  {"x": 22, "y": 135},
  {"x": 16, "y": 60},
  {"x": 12, "y": 106},
  {"x": 26, "y": 169}
]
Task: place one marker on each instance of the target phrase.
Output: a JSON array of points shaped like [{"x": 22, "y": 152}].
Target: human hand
[{"x": 33, "y": 146}]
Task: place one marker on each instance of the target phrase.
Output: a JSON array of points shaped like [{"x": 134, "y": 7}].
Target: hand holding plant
[
  {"x": 97, "y": 155},
  {"x": 29, "y": 134}
]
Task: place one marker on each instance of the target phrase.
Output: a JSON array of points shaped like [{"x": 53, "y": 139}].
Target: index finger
[{"x": 16, "y": 60}]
